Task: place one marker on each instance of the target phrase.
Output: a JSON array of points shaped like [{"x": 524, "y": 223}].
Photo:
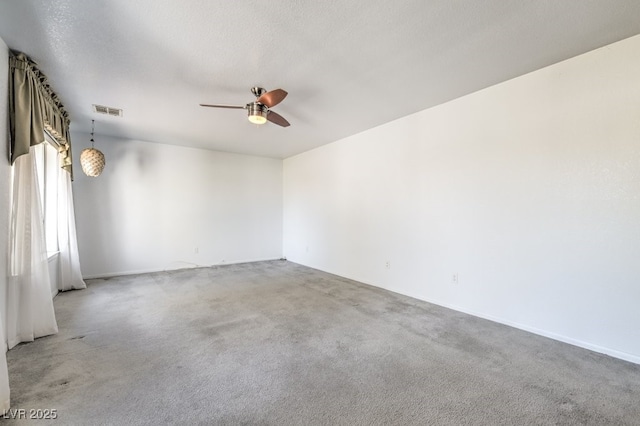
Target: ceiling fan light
[
  {"x": 257, "y": 114},
  {"x": 257, "y": 119}
]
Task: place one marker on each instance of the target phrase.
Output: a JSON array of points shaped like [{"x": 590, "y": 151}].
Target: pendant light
[{"x": 92, "y": 160}]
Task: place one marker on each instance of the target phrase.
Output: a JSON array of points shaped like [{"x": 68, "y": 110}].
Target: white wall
[
  {"x": 155, "y": 205},
  {"x": 529, "y": 190},
  {"x": 5, "y": 178}
]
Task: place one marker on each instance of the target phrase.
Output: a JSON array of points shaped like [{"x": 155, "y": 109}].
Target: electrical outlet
[
  {"x": 454, "y": 278},
  {"x": 388, "y": 265},
  {"x": 196, "y": 250}
]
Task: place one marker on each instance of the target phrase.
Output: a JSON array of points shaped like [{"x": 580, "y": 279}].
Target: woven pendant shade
[
  {"x": 91, "y": 159},
  {"x": 92, "y": 162}
]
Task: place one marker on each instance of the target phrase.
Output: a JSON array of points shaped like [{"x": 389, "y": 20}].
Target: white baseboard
[
  {"x": 545, "y": 333},
  {"x": 177, "y": 268}
]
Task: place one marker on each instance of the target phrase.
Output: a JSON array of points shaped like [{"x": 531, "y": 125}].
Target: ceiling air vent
[{"x": 101, "y": 109}]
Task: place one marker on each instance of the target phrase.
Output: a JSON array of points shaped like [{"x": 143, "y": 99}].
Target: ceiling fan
[{"x": 258, "y": 110}]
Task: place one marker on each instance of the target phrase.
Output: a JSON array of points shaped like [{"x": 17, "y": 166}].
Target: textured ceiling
[{"x": 348, "y": 65}]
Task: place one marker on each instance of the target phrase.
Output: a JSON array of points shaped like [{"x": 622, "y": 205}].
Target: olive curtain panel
[{"x": 33, "y": 109}]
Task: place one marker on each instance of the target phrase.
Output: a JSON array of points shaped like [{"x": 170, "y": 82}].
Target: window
[{"x": 47, "y": 164}]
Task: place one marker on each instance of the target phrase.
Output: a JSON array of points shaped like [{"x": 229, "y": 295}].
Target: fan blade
[
  {"x": 272, "y": 98},
  {"x": 224, "y": 106},
  {"x": 276, "y": 118}
]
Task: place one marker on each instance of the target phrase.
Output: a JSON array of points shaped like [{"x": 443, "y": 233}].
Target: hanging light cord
[{"x": 92, "y": 129}]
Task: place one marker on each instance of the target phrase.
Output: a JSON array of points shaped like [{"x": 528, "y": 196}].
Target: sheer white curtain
[
  {"x": 30, "y": 311},
  {"x": 70, "y": 275}
]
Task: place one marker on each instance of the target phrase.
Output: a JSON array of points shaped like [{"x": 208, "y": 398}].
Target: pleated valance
[{"x": 33, "y": 109}]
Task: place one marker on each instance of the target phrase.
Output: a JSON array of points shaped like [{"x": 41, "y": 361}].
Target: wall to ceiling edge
[
  {"x": 162, "y": 207},
  {"x": 528, "y": 190}
]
